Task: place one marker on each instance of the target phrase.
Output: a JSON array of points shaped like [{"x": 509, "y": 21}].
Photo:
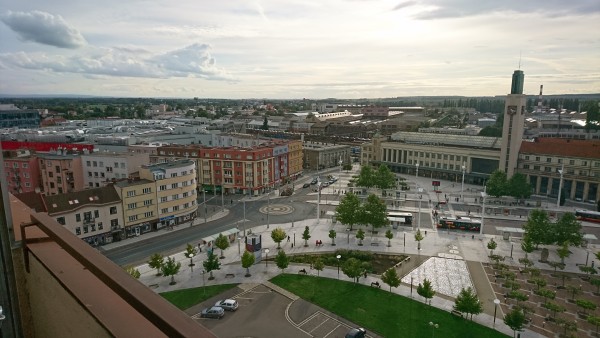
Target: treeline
[{"x": 482, "y": 105}]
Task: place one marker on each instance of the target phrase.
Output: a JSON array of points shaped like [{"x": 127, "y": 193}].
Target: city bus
[
  {"x": 588, "y": 215},
  {"x": 461, "y": 223},
  {"x": 399, "y": 218}
]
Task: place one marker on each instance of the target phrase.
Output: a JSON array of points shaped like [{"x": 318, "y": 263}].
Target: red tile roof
[{"x": 563, "y": 147}]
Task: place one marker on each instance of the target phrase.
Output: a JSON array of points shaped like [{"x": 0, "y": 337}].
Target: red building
[{"x": 21, "y": 170}]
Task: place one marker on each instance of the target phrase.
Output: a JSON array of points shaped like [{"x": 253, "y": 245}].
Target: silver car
[
  {"x": 228, "y": 304},
  {"x": 213, "y": 312}
]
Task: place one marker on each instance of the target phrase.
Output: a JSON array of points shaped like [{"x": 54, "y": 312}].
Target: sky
[{"x": 294, "y": 49}]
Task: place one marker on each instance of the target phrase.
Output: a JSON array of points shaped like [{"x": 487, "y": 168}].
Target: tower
[
  {"x": 514, "y": 122},
  {"x": 540, "y": 99}
]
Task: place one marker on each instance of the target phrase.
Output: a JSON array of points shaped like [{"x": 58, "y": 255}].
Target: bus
[
  {"x": 588, "y": 215},
  {"x": 399, "y": 218},
  {"x": 461, "y": 223}
]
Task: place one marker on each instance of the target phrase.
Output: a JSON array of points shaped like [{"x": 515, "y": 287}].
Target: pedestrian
[
  {"x": 288, "y": 238},
  {"x": 365, "y": 274}
]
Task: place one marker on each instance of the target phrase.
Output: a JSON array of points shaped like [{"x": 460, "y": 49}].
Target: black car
[
  {"x": 357, "y": 333},
  {"x": 306, "y": 185},
  {"x": 313, "y": 181}
]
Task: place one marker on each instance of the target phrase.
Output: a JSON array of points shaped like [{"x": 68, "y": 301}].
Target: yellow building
[{"x": 295, "y": 158}]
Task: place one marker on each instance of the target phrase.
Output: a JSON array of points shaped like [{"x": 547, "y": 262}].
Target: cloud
[
  {"x": 404, "y": 5},
  {"x": 191, "y": 61},
  {"x": 44, "y": 28}
]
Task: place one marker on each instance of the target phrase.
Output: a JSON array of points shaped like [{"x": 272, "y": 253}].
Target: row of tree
[
  {"x": 372, "y": 212},
  {"x": 381, "y": 178},
  {"x": 540, "y": 230},
  {"x": 517, "y": 186}
]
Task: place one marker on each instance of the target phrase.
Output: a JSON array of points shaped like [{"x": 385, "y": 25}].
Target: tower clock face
[{"x": 511, "y": 110}]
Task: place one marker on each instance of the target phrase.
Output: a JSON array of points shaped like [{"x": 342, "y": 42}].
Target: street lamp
[
  {"x": 239, "y": 248},
  {"x": 420, "y": 198},
  {"x": 496, "y": 302},
  {"x": 338, "y": 258},
  {"x": 268, "y": 206},
  {"x": 483, "y": 196},
  {"x": 205, "y": 210},
  {"x": 266, "y": 257},
  {"x": 433, "y": 327},
  {"x": 203, "y": 282},
  {"x": 411, "y": 284},
  {"x": 417, "y": 171},
  {"x": 560, "y": 171},
  {"x": 244, "y": 220},
  {"x": 462, "y": 186},
  {"x": 190, "y": 256},
  {"x": 348, "y": 232},
  {"x": 318, "y": 199},
  {"x": 294, "y": 239}
]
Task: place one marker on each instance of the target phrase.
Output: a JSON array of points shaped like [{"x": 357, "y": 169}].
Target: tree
[
  {"x": 360, "y": 235},
  {"x": 278, "y": 235},
  {"x": 492, "y": 246},
  {"x": 554, "y": 308},
  {"x": 496, "y": 185},
  {"x": 596, "y": 283},
  {"x": 222, "y": 243},
  {"x": 418, "y": 237},
  {"x": 366, "y": 177},
  {"x": 347, "y": 167},
  {"x": 391, "y": 278},
  {"x": 538, "y": 227},
  {"x": 349, "y": 210},
  {"x": 547, "y": 294},
  {"x": 586, "y": 305},
  {"x": 568, "y": 229},
  {"x": 389, "y": 235},
  {"x": 265, "y": 125},
  {"x": 211, "y": 263},
  {"x": 248, "y": 260},
  {"x": 171, "y": 268},
  {"x": 589, "y": 270},
  {"x": 468, "y": 302},
  {"x": 518, "y": 186},
  {"x": 374, "y": 212},
  {"x": 384, "y": 178},
  {"x": 515, "y": 320},
  {"x": 425, "y": 290},
  {"x": 156, "y": 262},
  {"x": 282, "y": 260},
  {"x": 306, "y": 235},
  {"x": 527, "y": 246},
  {"x": 518, "y": 296},
  {"x": 540, "y": 282},
  {"x": 318, "y": 265},
  {"x": 332, "y": 235},
  {"x": 353, "y": 268},
  {"x": 574, "y": 290},
  {"x": 133, "y": 272},
  {"x": 190, "y": 251},
  {"x": 594, "y": 320},
  {"x": 563, "y": 252}
]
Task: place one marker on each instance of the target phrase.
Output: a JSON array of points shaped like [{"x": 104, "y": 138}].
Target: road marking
[{"x": 330, "y": 332}]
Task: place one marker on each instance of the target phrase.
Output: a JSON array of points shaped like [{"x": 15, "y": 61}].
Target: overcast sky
[{"x": 297, "y": 48}]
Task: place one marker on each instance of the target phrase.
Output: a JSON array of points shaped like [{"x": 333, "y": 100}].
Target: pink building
[{"x": 21, "y": 170}]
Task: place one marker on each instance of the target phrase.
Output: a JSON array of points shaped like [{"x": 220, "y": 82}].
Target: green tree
[
  {"x": 426, "y": 291},
  {"x": 248, "y": 260},
  {"x": 468, "y": 302},
  {"x": 211, "y": 263},
  {"x": 538, "y": 228},
  {"x": 384, "y": 178},
  {"x": 419, "y": 237},
  {"x": 527, "y": 246},
  {"x": 515, "y": 320},
  {"x": 265, "y": 125},
  {"x": 366, "y": 177},
  {"x": 306, "y": 235},
  {"x": 391, "y": 278},
  {"x": 156, "y": 262},
  {"x": 586, "y": 305},
  {"x": 347, "y": 167},
  {"x": 374, "y": 212},
  {"x": 133, "y": 272},
  {"x": 318, "y": 265},
  {"x": 594, "y": 320},
  {"x": 589, "y": 270},
  {"x": 563, "y": 252},
  {"x": 349, "y": 210},
  {"x": 496, "y": 185},
  {"x": 278, "y": 235},
  {"x": 492, "y": 246},
  {"x": 554, "y": 308},
  {"x": 352, "y": 268},
  {"x": 596, "y": 283},
  {"x": 332, "y": 235},
  {"x": 491, "y": 131},
  {"x": 222, "y": 243},
  {"x": 568, "y": 229},
  {"x": 360, "y": 235},
  {"x": 389, "y": 235},
  {"x": 190, "y": 250},
  {"x": 518, "y": 296},
  {"x": 518, "y": 186},
  {"x": 171, "y": 268},
  {"x": 547, "y": 294},
  {"x": 574, "y": 290},
  {"x": 282, "y": 260}
]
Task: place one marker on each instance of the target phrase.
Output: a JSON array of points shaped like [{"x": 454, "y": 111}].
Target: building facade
[
  {"x": 324, "y": 155},
  {"x": 60, "y": 173},
  {"x": 514, "y": 124},
  {"x": 102, "y": 168},
  {"x": 22, "y": 171}
]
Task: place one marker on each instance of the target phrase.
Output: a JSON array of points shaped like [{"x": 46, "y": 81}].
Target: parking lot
[{"x": 263, "y": 312}]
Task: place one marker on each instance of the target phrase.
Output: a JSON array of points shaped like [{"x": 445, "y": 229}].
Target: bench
[
  {"x": 375, "y": 244},
  {"x": 456, "y": 313},
  {"x": 229, "y": 275},
  {"x": 376, "y": 285},
  {"x": 302, "y": 271}
]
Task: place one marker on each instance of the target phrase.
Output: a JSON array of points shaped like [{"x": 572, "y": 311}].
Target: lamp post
[
  {"x": 462, "y": 186},
  {"x": 496, "y": 302},
  {"x": 244, "y": 220},
  {"x": 560, "y": 171},
  {"x": 411, "y": 285},
  {"x": 348, "y": 233},
  {"x": 420, "y": 198},
  {"x": 205, "y": 210},
  {"x": 266, "y": 257},
  {"x": 239, "y": 248},
  {"x": 483, "y": 196},
  {"x": 587, "y": 257},
  {"x": 268, "y": 206},
  {"x": 191, "y": 256},
  {"x": 433, "y": 327},
  {"x": 318, "y": 199},
  {"x": 203, "y": 282},
  {"x": 222, "y": 197},
  {"x": 294, "y": 239},
  {"x": 338, "y": 259},
  {"x": 417, "y": 171}
]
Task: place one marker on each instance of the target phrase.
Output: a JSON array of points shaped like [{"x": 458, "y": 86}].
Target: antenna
[{"x": 520, "y": 52}]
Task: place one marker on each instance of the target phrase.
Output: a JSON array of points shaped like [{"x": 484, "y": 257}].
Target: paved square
[{"x": 448, "y": 276}]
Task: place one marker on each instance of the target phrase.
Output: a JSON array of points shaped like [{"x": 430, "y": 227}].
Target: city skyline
[{"x": 292, "y": 49}]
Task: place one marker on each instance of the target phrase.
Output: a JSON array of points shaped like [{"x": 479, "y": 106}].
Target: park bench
[
  {"x": 376, "y": 285},
  {"x": 302, "y": 271},
  {"x": 229, "y": 275},
  {"x": 456, "y": 313}
]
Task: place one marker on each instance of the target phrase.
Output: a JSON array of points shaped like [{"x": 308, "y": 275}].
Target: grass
[
  {"x": 376, "y": 263},
  {"x": 187, "y": 298},
  {"x": 380, "y": 311}
]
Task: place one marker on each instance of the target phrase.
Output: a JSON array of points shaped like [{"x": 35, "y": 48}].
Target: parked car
[
  {"x": 356, "y": 333},
  {"x": 228, "y": 304},
  {"x": 314, "y": 181},
  {"x": 213, "y": 312},
  {"x": 306, "y": 185}
]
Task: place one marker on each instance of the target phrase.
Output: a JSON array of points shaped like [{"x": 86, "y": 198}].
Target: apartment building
[
  {"x": 60, "y": 172},
  {"x": 101, "y": 168},
  {"x": 22, "y": 171},
  {"x": 93, "y": 215},
  {"x": 319, "y": 155},
  {"x": 295, "y": 155}
]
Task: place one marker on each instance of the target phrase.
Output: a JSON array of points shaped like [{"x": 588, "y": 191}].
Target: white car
[{"x": 227, "y": 304}]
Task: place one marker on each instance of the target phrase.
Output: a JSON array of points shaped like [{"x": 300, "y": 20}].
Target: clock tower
[{"x": 514, "y": 124}]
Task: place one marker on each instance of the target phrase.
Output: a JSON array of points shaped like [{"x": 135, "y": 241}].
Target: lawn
[
  {"x": 378, "y": 310},
  {"x": 186, "y": 298}
]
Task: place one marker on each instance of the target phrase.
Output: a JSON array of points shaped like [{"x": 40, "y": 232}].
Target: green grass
[
  {"x": 186, "y": 298},
  {"x": 380, "y": 311}
]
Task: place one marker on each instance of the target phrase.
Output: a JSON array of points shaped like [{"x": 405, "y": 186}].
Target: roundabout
[{"x": 277, "y": 209}]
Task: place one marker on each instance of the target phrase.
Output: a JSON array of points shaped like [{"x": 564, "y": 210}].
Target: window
[
  {"x": 132, "y": 218},
  {"x": 148, "y": 214},
  {"x": 526, "y": 166},
  {"x": 164, "y": 199},
  {"x": 175, "y": 208},
  {"x": 89, "y": 174},
  {"x": 175, "y": 197},
  {"x": 113, "y": 210},
  {"x": 173, "y": 185},
  {"x": 173, "y": 174},
  {"x": 148, "y": 202},
  {"x": 549, "y": 160},
  {"x": 162, "y": 187},
  {"x": 26, "y": 175},
  {"x": 147, "y": 190},
  {"x": 95, "y": 163},
  {"x": 85, "y": 229},
  {"x": 584, "y": 163},
  {"x": 101, "y": 164},
  {"x": 61, "y": 220},
  {"x": 527, "y": 157},
  {"x": 25, "y": 165},
  {"x": 88, "y": 164},
  {"x": 100, "y": 226},
  {"x": 537, "y": 158},
  {"x": 548, "y": 169},
  {"x": 572, "y": 162},
  {"x": 95, "y": 174},
  {"x": 164, "y": 210},
  {"x": 78, "y": 230},
  {"x": 131, "y": 193},
  {"x": 122, "y": 165},
  {"x": 78, "y": 217},
  {"x": 50, "y": 174},
  {"x": 185, "y": 194},
  {"x": 96, "y": 213},
  {"x": 536, "y": 167},
  {"x": 93, "y": 227},
  {"x": 131, "y": 205},
  {"x": 187, "y": 205}
]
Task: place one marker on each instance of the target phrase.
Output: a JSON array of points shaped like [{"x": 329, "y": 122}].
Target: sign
[{"x": 435, "y": 183}]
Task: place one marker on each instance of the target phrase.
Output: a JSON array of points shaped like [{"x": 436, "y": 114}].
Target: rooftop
[
  {"x": 562, "y": 147},
  {"x": 447, "y": 139},
  {"x": 75, "y": 200}
]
